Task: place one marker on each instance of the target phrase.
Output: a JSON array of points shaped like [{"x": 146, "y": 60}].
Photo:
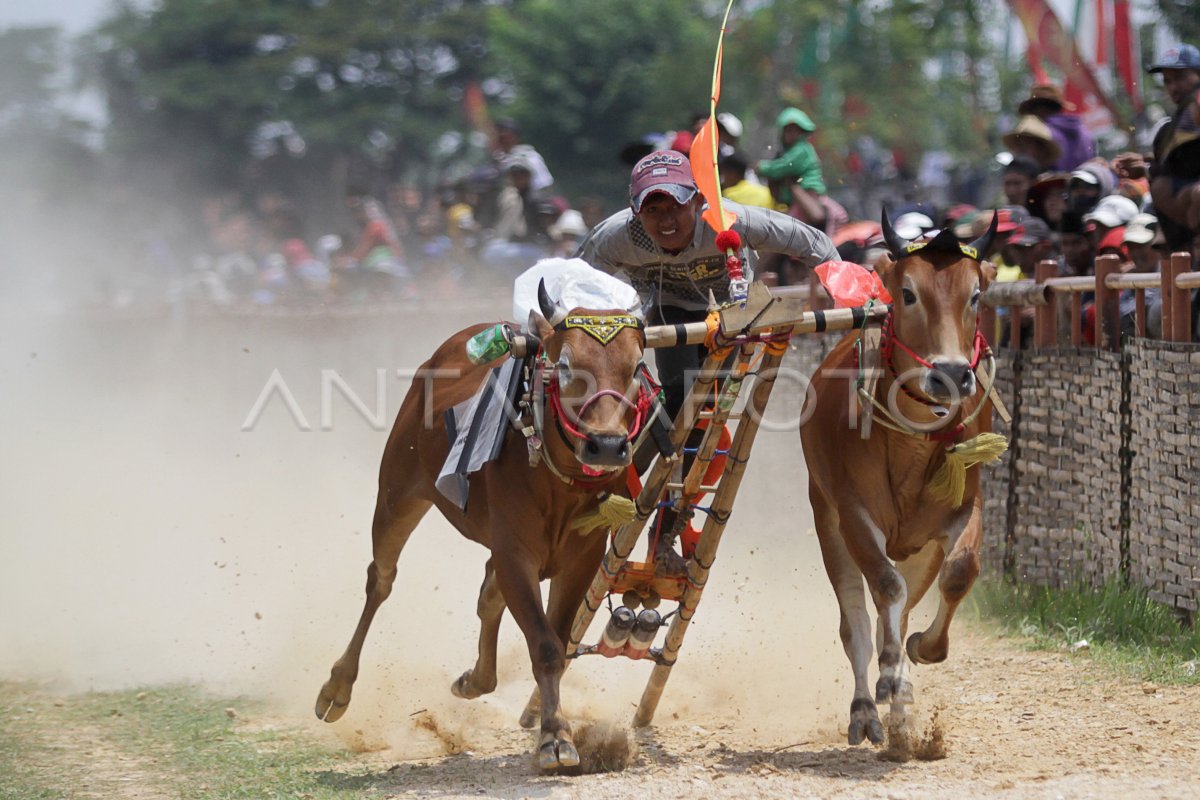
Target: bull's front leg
[
  {"x": 867, "y": 546},
  {"x": 481, "y": 679},
  {"x": 955, "y": 580},
  {"x": 919, "y": 571},
  {"x": 517, "y": 575},
  {"x": 855, "y": 625}
]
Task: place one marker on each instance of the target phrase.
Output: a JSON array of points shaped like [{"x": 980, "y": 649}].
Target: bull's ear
[
  {"x": 988, "y": 274},
  {"x": 538, "y": 325}
]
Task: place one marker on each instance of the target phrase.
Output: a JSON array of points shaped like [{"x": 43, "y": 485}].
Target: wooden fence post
[
  {"x": 1180, "y": 300},
  {"x": 987, "y": 323},
  {"x": 1107, "y": 313},
  {"x": 1045, "y": 318}
]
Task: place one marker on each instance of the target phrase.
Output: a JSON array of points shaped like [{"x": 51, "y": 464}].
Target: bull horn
[
  {"x": 984, "y": 242},
  {"x": 895, "y": 243},
  {"x": 552, "y": 311}
]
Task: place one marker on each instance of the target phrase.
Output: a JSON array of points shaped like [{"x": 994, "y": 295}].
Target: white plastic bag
[{"x": 573, "y": 283}]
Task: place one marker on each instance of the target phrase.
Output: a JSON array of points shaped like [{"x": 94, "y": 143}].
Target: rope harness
[
  {"x": 545, "y": 399},
  {"x": 949, "y": 482}
]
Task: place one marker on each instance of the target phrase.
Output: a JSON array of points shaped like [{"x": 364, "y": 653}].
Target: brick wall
[
  {"x": 996, "y": 476},
  {"x": 1164, "y": 503},
  {"x": 1067, "y": 477},
  {"x": 1100, "y": 486}
]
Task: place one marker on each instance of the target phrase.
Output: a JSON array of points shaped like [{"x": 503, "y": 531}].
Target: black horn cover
[
  {"x": 981, "y": 245},
  {"x": 895, "y": 243},
  {"x": 553, "y": 313},
  {"x": 944, "y": 242}
]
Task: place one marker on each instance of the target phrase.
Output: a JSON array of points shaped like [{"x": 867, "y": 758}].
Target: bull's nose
[
  {"x": 950, "y": 379},
  {"x": 601, "y": 450}
]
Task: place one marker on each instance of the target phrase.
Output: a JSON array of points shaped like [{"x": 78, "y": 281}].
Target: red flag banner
[
  {"x": 1101, "y": 33},
  {"x": 475, "y": 106},
  {"x": 703, "y": 152},
  {"x": 1051, "y": 41},
  {"x": 1123, "y": 43}
]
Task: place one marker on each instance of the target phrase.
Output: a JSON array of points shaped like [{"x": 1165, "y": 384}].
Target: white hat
[
  {"x": 1140, "y": 229},
  {"x": 1085, "y": 176},
  {"x": 517, "y": 160},
  {"x": 570, "y": 223},
  {"x": 1112, "y": 211},
  {"x": 731, "y": 124},
  {"x": 912, "y": 225}
]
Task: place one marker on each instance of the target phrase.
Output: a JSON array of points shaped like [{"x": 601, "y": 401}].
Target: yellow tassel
[
  {"x": 612, "y": 512},
  {"x": 950, "y": 481}
]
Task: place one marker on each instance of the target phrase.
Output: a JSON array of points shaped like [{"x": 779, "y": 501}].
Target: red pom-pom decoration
[{"x": 728, "y": 240}]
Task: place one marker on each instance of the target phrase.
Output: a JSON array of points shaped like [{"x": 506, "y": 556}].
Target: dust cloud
[{"x": 149, "y": 539}]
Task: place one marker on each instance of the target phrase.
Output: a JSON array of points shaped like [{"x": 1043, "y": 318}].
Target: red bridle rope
[
  {"x": 954, "y": 433},
  {"x": 891, "y": 341},
  {"x": 641, "y": 408}
]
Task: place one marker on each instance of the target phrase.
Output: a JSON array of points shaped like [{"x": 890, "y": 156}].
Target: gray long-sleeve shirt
[{"x": 620, "y": 245}]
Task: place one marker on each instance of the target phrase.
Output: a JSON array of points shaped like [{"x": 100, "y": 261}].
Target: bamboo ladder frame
[{"x": 767, "y": 312}]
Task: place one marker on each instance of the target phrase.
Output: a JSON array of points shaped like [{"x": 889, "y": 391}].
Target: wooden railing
[{"x": 1175, "y": 280}]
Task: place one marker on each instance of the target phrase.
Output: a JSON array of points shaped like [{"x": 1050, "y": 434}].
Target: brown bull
[
  {"x": 525, "y": 515},
  {"x": 876, "y": 514}
]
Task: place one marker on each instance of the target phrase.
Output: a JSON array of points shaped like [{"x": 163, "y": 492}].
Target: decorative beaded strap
[{"x": 601, "y": 327}]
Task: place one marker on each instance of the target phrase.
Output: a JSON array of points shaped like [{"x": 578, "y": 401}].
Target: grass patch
[
  {"x": 26, "y": 769},
  {"x": 1124, "y": 629},
  {"x": 191, "y": 734},
  {"x": 178, "y": 740}
]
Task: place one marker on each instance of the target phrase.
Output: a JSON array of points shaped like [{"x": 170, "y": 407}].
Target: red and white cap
[{"x": 665, "y": 171}]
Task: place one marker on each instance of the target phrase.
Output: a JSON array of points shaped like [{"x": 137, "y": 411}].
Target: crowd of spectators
[
  {"x": 1060, "y": 201},
  {"x": 401, "y": 242},
  {"x": 1055, "y": 199}
]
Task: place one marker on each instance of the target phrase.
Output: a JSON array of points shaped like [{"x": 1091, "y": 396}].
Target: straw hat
[
  {"x": 1033, "y": 136},
  {"x": 1047, "y": 96}
]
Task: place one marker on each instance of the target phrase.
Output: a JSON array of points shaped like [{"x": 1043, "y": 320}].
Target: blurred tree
[
  {"x": 241, "y": 92},
  {"x": 306, "y": 96},
  {"x": 903, "y": 76},
  {"x": 590, "y": 77},
  {"x": 1183, "y": 16},
  {"x": 48, "y": 176},
  {"x": 37, "y": 136}
]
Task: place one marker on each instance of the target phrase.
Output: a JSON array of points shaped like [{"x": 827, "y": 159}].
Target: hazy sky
[{"x": 74, "y": 16}]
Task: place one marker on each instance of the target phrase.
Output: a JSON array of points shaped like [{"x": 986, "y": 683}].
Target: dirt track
[
  {"x": 153, "y": 540},
  {"x": 1016, "y": 724}
]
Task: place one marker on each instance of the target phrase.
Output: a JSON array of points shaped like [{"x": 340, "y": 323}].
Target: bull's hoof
[
  {"x": 903, "y": 696},
  {"x": 333, "y": 700},
  {"x": 557, "y": 752},
  {"x": 864, "y": 721},
  {"x": 913, "y": 648},
  {"x": 465, "y": 688},
  {"x": 889, "y": 688}
]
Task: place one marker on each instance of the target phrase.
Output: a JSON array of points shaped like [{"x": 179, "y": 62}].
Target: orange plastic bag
[{"x": 851, "y": 284}]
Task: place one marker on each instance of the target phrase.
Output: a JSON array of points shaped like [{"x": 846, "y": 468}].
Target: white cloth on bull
[
  {"x": 573, "y": 283},
  {"x": 476, "y": 428}
]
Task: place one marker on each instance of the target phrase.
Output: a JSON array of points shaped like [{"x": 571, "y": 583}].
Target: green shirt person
[{"x": 799, "y": 163}]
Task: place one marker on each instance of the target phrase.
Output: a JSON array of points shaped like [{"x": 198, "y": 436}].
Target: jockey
[{"x": 661, "y": 246}]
